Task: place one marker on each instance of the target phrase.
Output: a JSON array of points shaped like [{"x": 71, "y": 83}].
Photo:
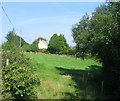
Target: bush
[{"x": 18, "y": 80}]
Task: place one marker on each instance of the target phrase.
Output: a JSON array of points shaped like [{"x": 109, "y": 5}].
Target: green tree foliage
[
  {"x": 26, "y": 48},
  {"x": 72, "y": 51},
  {"x": 58, "y": 44},
  {"x": 13, "y": 41},
  {"x": 81, "y": 35},
  {"x": 18, "y": 78},
  {"x": 100, "y": 36},
  {"x": 53, "y": 44}
]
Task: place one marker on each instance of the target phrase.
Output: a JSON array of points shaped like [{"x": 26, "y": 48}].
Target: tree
[
  {"x": 81, "y": 35},
  {"x": 18, "y": 78},
  {"x": 100, "y": 36},
  {"x": 13, "y": 41},
  {"x": 58, "y": 45},
  {"x": 53, "y": 44},
  {"x": 63, "y": 45}
]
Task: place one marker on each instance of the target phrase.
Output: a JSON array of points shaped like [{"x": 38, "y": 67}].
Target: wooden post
[
  {"x": 83, "y": 79},
  {"x": 7, "y": 62},
  {"x": 20, "y": 36},
  {"x": 102, "y": 88}
]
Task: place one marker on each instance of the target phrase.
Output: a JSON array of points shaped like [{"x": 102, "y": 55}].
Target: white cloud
[
  {"x": 29, "y": 21},
  {"x": 51, "y": 20}
]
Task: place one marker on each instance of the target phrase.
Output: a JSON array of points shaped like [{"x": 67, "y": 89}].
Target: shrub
[{"x": 18, "y": 80}]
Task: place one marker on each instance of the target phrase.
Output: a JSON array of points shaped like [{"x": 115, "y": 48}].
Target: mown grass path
[{"x": 63, "y": 76}]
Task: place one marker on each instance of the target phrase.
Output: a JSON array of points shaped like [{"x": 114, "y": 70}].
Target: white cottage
[{"x": 42, "y": 44}]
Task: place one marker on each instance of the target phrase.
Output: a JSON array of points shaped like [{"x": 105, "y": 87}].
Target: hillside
[{"x": 64, "y": 76}]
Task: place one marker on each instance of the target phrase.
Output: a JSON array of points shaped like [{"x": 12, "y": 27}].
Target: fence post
[
  {"x": 7, "y": 62},
  {"x": 102, "y": 88}
]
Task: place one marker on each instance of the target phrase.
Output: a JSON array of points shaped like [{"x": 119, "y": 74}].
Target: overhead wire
[
  {"x": 7, "y": 15},
  {"x": 10, "y": 22}
]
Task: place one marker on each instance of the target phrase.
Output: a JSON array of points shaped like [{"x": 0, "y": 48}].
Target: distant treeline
[
  {"x": 96, "y": 36},
  {"x": 57, "y": 44}
]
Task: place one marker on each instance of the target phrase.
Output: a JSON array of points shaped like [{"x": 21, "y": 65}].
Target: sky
[{"x": 43, "y": 19}]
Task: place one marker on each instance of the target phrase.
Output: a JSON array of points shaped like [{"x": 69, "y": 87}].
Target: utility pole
[
  {"x": 13, "y": 30},
  {"x": 20, "y": 36}
]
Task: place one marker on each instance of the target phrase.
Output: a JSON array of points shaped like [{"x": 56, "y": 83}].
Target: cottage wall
[{"x": 42, "y": 44}]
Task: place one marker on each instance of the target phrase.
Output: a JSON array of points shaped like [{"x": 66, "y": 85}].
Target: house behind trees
[{"x": 42, "y": 44}]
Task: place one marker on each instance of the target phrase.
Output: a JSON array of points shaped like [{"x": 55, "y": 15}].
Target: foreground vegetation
[
  {"x": 18, "y": 77},
  {"x": 66, "y": 77},
  {"x": 96, "y": 36},
  {"x": 99, "y": 35}
]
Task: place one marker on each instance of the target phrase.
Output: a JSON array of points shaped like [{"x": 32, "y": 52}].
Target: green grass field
[{"x": 64, "y": 76}]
